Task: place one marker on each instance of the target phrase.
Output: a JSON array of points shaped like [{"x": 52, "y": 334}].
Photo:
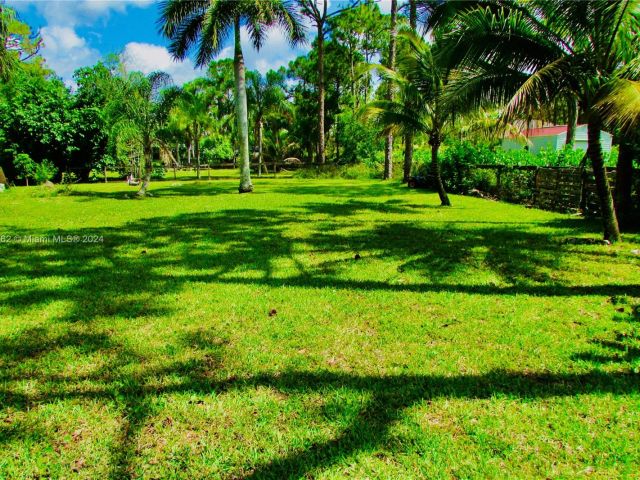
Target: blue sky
[{"x": 78, "y": 33}]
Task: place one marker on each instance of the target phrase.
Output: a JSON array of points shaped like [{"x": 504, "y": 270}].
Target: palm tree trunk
[
  {"x": 408, "y": 157},
  {"x": 148, "y": 168},
  {"x": 321, "y": 94},
  {"x": 388, "y": 151},
  {"x": 260, "y": 128},
  {"x": 413, "y": 15},
  {"x": 435, "y": 172},
  {"x": 594, "y": 150},
  {"x": 624, "y": 177},
  {"x": 242, "y": 117},
  {"x": 572, "y": 121}
]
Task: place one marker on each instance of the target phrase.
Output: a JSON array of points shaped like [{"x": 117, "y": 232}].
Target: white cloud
[
  {"x": 148, "y": 58},
  {"x": 64, "y": 51},
  {"x": 72, "y": 13}
]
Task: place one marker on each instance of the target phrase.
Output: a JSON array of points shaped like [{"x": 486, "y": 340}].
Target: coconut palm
[
  {"x": 138, "y": 110},
  {"x": 205, "y": 25},
  {"x": 528, "y": 55},
  {"x": 419, "y": 105}
]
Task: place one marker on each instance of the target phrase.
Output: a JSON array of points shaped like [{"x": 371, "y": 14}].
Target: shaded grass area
[{"x": 313, "y": 329}]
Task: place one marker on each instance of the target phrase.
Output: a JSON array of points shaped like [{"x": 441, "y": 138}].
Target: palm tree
[
  {"x": 531, "y": 54},
  {"x": 206, "y": 24},
  {"x": 193, "y": 109},
  {"x": 393, "y": 33},
  {"x": 138, "y": 110},
  {"x": 420, "y": 105},
  {"x": 266, "y": 96}
]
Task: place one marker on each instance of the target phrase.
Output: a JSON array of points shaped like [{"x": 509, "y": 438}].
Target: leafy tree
[
  {"x": 303, "y": 74},
  {"x": 8, "y": 61},
  {"x": 364, "y": 32},
  {"x": 209, "y": 23},
  {"x": 37, "y": 118},
  {"x": 18, "y": 44},
  {"x": 529, "y": 55},
  {"x": 24, "y": 167}
]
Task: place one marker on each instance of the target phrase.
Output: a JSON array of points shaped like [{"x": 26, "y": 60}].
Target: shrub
[
  {"x": 216, "y": 150},
  {"x": 349, "y": 172},
  {"x": 158, "y": 171},
  {"x": 44, "y": 171}
]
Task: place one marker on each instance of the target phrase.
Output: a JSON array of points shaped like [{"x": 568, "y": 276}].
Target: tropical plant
[
  {"x": 192, "y": 109},
  {"x": 391, "y": 59},
  {"x": 138, "y": 111},
  {"x": 420, "y": 106},
  {"x": 528, "y": 55},
  {"x": 267, "y": 99},
  {"x": 208, "y": 23}
]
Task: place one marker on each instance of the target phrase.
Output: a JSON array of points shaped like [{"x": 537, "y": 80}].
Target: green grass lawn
[{"x": 313, "y": 329}]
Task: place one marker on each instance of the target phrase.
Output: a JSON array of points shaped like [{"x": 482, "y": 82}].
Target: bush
[
  {"x": 44, "y": 171},
  {"x": 349, "y": 172},
  {"x": 216, "y": 150},
  {"x": 359, "y": 142},
  {"x": 158, "y": 171}
]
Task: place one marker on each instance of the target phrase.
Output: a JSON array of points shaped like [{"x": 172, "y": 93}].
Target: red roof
[{"x": 545, "y": 131}]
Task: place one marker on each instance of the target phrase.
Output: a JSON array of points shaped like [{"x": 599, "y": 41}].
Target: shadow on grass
[
  {"x": 146, "y": 259},
  {"x": 136, "y": 390},
  {"x": 142, "y": 261}
]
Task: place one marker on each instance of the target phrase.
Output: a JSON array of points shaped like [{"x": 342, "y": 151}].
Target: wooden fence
[{"x": 560, "y": 189}]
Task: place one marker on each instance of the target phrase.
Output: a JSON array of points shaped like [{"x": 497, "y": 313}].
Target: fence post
[{"x": 534, "y": 200}]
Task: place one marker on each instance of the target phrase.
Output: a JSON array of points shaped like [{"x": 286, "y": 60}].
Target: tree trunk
[
  {"x": 594, "y": 150},
  {"x": 321, "y": 137},
  {"x": 337, "y": 139},
  {"x": 408, "y": 157},
  {"x": 435, "y": 172},
  {"x": 196, "y": 152},
  {"x": 388, "y": 151},
  {"x": 242, "y": 116},
  {"x": 148, "y": 168},
  {"x": 260, "y": 128},
  {"x": 413, "y": 15},
  {"x": 354, "y": 98},
  {"x": 175, "y": 164},
  {"x": 624, "y": 177},
  {"x": 105, "y": 174},
  {"x": 572, "y": 121}
]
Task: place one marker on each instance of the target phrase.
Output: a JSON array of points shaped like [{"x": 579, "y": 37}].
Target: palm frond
[{"x": 621, "y": 105}]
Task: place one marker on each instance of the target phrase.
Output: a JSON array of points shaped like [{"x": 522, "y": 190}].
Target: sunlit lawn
[{"x": 322, "y": 329}]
